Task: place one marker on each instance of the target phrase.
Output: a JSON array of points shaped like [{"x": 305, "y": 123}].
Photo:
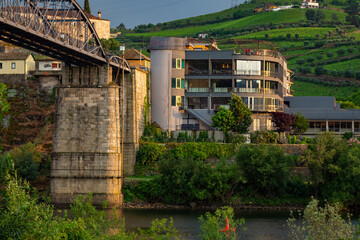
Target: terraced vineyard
[{"x": 324, "y": 55}]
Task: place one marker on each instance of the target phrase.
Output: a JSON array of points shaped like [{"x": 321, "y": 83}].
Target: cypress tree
[{"x": 87, "y": 7}]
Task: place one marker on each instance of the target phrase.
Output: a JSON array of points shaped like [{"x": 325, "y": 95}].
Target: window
[
  {"x": 178, "y": 83},
  {"x": 176, "y": 101},
  {"x": 0, "y": 65},
  {"x": 13, "y": 65},
  {"x": 178, "y": 63},
  {"x": 248, "y": 67}
]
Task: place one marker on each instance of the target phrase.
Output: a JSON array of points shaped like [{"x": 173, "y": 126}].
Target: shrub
[
  {"x": 357, "y": 75},
  {"x": 23, "y": 217},
  {"x": 203, "y": 137},
  {"x": 26, "y": 160},
  {"x": 329, "y": 54},
  {"x": 349, "y": 73},
  {"x": 185, "y": 180},
  {"x": 340, "y": 52},
  {"x": 350, "y": 50},
  {"x": 300, "y": 61},
  {"x": 149, "y": 153},
  {"x": 213, "y": 225},
  {"x": 319, "y": 57},
  {"x": 263, "y": 136},
  {"x": 319, "y": 70},
  {"x": 269, "y": 162},
  {"x": 238, "y": 139},
  {"x": 320, "y": 223},
  {"x": 310, "y": 59}
]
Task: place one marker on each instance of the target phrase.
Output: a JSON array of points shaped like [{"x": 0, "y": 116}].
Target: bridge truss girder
[{"x": 56, "y": 28}]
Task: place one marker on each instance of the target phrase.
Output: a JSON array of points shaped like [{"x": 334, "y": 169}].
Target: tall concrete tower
[{"x": 167, "y": 81}]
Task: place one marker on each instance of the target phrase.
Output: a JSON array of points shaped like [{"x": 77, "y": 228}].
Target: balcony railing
[
  {"x": 197, "y": 72},
  {"x": 247, "y": 90},
  {"x": 222, "y": 89},
  {"x": 221, "y": 71},
  {"x": 271, "y": 91},
  {"x": 269, "y": 108},
  {"x": 198, "y": 90},
  {"x": 247, "y": 72}
]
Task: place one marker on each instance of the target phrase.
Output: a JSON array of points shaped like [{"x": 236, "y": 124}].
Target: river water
[{"x": 260, "y": 224}]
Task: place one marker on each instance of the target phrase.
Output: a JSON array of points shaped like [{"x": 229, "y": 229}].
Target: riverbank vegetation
[{"x": 225, "y": 174}]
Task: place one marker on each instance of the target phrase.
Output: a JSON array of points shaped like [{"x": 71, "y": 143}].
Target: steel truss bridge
[{"x": 55, "y": 28}]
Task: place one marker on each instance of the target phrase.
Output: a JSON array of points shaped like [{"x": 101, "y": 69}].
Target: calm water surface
[{"x": 260, "y": 224}]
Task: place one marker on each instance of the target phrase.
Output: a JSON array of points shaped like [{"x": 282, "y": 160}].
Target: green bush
[
  {"x": 23, "y": 217},
  {"x": 149, "y": 153},
  {"x": 26, "y": 160},
  {"x": 147, "y": 157},
  {"x": 263, "y": 136},
  {"x": 320, "y": 223},
  {"x": 310, "y": 59},
  {"x": 300, "y": 61},
  {"x": 186, "y": 180},
  {"x": 329, "y": 54},
  {"x": 213, "y": 225},
  {"x": 203, "y": 137},
  {"x": 269, "y": 162}
]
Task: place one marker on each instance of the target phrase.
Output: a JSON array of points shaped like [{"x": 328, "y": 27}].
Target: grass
[
  {"x": 139, "y": 178},
  {"x": 351, "y": 64},
  {"x": 312, "y": 89},
  {"x": 304, "y": 33},
  {"x": 323, "y": 52},
  {"x": 285, "y": 16}
]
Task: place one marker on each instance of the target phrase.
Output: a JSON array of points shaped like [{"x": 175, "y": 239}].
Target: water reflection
[{"x": 261, "y": 225}]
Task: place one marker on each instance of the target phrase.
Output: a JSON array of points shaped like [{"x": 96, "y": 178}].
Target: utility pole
[{"x": 122, "y": 48}]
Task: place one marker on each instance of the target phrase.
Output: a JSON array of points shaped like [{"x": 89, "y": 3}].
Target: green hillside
[
  {"x": 324, "y": 53},
  {"x": 267, "y": 18}
]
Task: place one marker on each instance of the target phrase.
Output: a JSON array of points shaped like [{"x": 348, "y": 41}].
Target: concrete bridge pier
[{"x": 86, "y": 143}]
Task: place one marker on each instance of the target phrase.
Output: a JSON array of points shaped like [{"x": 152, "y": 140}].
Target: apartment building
[
  {"x": 324, "y": 114},
  {"x": 188, "y": 87}
]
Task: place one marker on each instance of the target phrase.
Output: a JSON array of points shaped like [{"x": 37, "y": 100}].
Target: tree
[
  {"x": 4, "y": 105},
  {"x": 267, "y": 161},
  {"x": 110, "y": 44},
  {"x": 223, "y": 119},
  {"x": 241, "y": 113},
  {"x": 121, "y": 27},
  {"x": 352, "y": 10},
  {"x": 310, "y": 14},
  {"x": 87, "y": 7},
  {"x": 301, "y": 124},
  {"x": 320, "y": 223},
  {"x": 237, "y": 119},
  {"x": 319, "y": 16},
  {"x": 334, "y": 17},
  {"x": 283, "y": 121}
]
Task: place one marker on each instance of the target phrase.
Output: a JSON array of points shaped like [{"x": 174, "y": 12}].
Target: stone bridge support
[{"x": 86, "y": 143}]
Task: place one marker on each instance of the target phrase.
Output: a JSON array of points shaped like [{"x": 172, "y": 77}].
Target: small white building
[
  {"x": 309, "y": 4},
  {"x": 282, "y": 8}
]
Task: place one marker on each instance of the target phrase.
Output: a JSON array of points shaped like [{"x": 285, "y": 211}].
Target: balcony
[
  {"x": 222, "y": 89},
  {"x": 268, "y": 108},
  {"x": 203, "y": 89},
  {"x": 221, "y": 71},
  {"x": 197, "y": 72},
  {"x": 246, "y": 90},
  {"x": 271, "y": 91}
]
